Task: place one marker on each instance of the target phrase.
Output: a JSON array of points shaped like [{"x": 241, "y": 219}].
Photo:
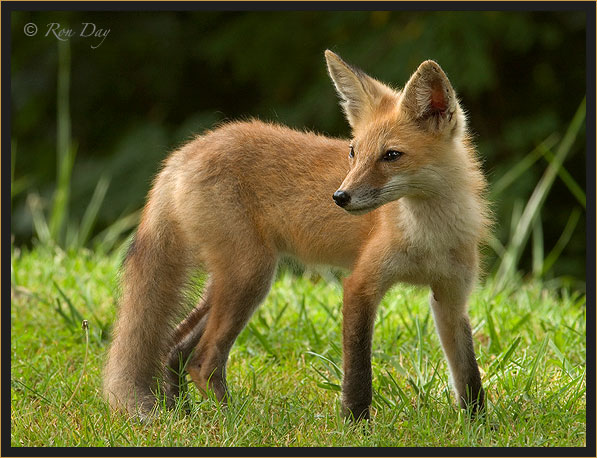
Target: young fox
[{"x": 402, "y": 201}]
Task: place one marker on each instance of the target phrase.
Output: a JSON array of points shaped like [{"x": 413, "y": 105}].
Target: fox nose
[{"x": 341, "y": 198}]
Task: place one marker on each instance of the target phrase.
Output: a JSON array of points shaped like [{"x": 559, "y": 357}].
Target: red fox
[{"x": 401, "y": 201}]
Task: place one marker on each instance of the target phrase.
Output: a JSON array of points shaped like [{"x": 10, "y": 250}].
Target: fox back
[{"x": 402, "y": 200}]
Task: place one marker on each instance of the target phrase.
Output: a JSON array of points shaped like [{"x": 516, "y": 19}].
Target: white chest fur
[{"x": 437, "y": 236}]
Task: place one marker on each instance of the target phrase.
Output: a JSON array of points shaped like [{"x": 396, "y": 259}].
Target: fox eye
[
  {"x": 351, "y": 153},
  {"x": 391, "y": 155}
]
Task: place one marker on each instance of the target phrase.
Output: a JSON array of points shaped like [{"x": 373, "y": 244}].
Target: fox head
[{"x": 404, "y": 143}]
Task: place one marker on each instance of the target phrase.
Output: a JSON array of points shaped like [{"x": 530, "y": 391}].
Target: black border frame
[{"x": 589, "y": 7}]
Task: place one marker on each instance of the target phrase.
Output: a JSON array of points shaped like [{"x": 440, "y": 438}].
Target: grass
[{"x": 284, "y": 370}]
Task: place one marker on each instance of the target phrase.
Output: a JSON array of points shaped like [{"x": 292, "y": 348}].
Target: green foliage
[
  {"x": 60, "y": 230},
  {"x": 522, "y": 228},
  {"x": 284, "y": 371}
]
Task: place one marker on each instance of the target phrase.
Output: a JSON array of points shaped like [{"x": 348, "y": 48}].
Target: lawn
[{"x": 284, "y": 371}]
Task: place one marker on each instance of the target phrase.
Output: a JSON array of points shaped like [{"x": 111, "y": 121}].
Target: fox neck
[{"x": 447, "y": 221}]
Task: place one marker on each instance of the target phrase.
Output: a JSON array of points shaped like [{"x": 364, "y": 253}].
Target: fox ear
[
  {"x": 429, "y": 98},
  {"x": 359, "y": 93}
]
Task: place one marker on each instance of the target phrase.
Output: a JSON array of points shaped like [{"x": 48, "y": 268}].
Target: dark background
[{"x": 160, "y": 77}]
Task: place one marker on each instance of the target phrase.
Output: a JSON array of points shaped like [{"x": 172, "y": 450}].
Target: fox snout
[{"x": 342, "y": 198}]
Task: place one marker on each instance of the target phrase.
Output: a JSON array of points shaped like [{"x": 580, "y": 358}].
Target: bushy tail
[{"x": 154, "y": 275}]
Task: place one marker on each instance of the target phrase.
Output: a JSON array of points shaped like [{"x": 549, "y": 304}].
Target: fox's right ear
[{"x": 360, "y": 93}]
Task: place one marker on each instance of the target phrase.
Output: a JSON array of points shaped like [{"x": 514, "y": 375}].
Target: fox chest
[
  {"x": 430, "y": 261},
  {"x": 433, "y": 244}
]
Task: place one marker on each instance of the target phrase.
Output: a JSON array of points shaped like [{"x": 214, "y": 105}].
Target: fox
[{"x": 400, "y": 201}]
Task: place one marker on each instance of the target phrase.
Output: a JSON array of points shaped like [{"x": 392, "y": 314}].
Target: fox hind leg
[
  {"x": 236, "y": 289},
  {"x": 186, "y": 337}
]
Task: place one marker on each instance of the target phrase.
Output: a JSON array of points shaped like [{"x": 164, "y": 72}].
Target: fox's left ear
[{"x": 429, "y": 98}]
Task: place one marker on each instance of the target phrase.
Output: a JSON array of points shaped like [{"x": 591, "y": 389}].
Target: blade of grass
[
  {"x": 558, "y": 394},
  {"x": 380, "y": 399},
  {"x": 537, "y": 243},
  {"x": 496, "y": 246},
  {"x": 555, "y": 253},
  {"x": 520, "y": 322},
  {"x": 522, "y": 166},
  {"x": 67, "y": 319},
  {"x": 327, "y": 310},
  {"x": 400, "y": 391},
  {"x": 40, "y": 225},
  {"x": 35, "y": 393},
  {"x": 503, "y": 358},
  {"x": 494, "y": 341},
  {"x": 261, "y": 338},
  {"x": 538, "y": 356},
  {"x": 85, "y": 296},
  {"x": 514, "y": 219},
  {"x": 85, "y": 327},
  {"x": 90, "y": 216},
  {"x": 568, "y": 180},
  {"x": 516, "y": 214},
  {"x": 70, "y": 236},
  {"x": 65, "y": 151},
  {"x": 109, "y": 237},
  {"x": 331, "y": 365},
  {"x": 279, "y": 314},
  {"x": 420, "y": 350},
  {"x": 521, "y": 233},
  {"x": 406, "y": 325},
  {"x": 75, "y": 314},
  {"x": 578, "y": 391},
  {"x": 563, "y": 360}
]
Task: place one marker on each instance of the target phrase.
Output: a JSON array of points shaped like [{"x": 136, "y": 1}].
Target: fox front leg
[
  {"x": 361, "y": 298},
  {"x": 454, "y": 329}
]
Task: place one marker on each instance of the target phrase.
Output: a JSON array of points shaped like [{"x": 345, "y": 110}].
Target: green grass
[{"x": 285, "y": 369}]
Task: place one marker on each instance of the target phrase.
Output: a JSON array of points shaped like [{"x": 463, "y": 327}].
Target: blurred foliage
[{"x": 160, "y": 77}]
